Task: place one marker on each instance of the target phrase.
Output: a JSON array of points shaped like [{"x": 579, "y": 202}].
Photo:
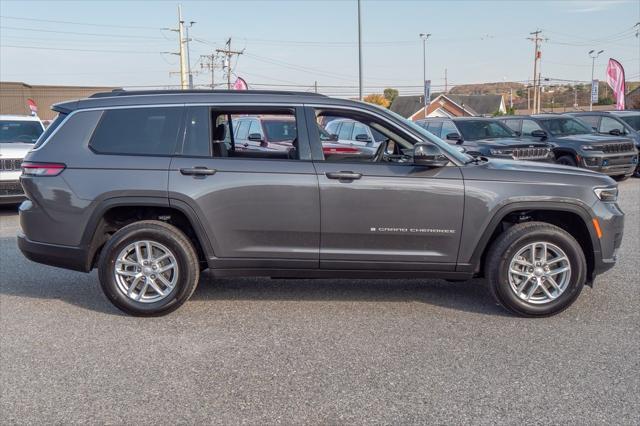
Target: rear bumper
[
  {"x": 54, "y": 255},
  {"x": 11, "y": 192}
]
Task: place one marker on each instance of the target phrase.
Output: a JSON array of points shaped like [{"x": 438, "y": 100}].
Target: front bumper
[
  {"x": 611, "y": 221},
  {"x": 11, "y": 192},
  {"x": 610, "y": 164}
]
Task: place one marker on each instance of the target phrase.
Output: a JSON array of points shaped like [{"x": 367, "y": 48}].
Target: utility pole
[
  {"x": 536, "y": 57},
  {"x": 593, "y": 55},
  {"x": 511, "y": 97},
  {"x": 424, "y": 37},
  {"x": 209, "y": 62},
  {"x": 228, "y": 53},
  {"x": 187, "y": 40},
  {"x": 539, "y": 98},
  {"x": 184, "y": 83},
  {"x": 315, "y": 86},
  {"x": 446, "y": 86},
  {"x": 359, "y": 53}
]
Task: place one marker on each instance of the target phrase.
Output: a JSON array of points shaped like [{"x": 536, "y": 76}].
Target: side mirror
[
  {"x": 426, "y": 154},
  {"x": 539, "y": 134},
  {"x": 454, "y": 137},
  {"x": 256, "y": 137},
  {"x": 615, "y": 132},
  {"x": 333, "y": 137},
  {"x": 518, "y": 133},
  {"x": 362, "y": 137}
]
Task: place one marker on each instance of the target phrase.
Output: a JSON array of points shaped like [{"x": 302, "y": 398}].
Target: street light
[
  {"x": 593, "y": 55},
  {"x": 424, "y": 37}
]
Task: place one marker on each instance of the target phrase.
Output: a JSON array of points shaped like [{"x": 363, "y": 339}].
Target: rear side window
[
  {"x": 52, "y": 127},
  {"x": 147, "y": 131}
]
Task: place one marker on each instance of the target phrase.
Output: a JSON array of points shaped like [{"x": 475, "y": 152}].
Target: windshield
[
  {"x": 19, "y": 131},
  {"x": 279, "y": 131},
  {"x": 429, "y": 137},
  {"x": 632, "y": 120},
  {"x": 483, "y": 129},
  {"x": 565, "y": 126}
]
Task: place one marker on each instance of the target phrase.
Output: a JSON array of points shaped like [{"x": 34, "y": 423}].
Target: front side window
[
  {"x": 565, "y": 126},
  {"x": 448, "y": 128},
  {"x": 16, "y": 131},
  {"x": 435, "y": 127},
  {"x": 483, "y": 129},
  {"x": 513, "y": 125},
  {"x": 138, "y": 131},
  {"x": 608, "y": 124},
  {"x": 591, "y": 120},
  {"x": 529, "y": 126},
  {"x": 345, "y": 130}
]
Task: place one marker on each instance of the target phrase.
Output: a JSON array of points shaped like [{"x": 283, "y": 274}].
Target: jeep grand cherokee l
[
  {"x": 575, "y": 144},
  {"x": 145, "y": 189},
  {"x": 487, "y": 137}
]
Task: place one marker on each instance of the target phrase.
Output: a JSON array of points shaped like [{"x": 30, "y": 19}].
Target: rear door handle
[
  {"x": 198, "y": 171},
  {"x": 344, "y": 175}
]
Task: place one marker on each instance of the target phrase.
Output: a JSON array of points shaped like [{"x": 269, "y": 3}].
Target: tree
[
  {"x": 378, "y": 99},
  {"x": 390, "y": 94}
]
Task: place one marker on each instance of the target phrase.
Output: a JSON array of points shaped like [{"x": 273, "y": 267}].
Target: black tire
[
  {"x": 620, "y": 178},
  {"x": 567, "y": 160},
  {"x": 162, "y": 233},
  {"x": 636, "y": 172},
  {"x": 509, "y": 243}
]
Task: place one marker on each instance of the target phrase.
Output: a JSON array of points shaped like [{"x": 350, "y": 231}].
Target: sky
[{"x": 293, "y": 44}]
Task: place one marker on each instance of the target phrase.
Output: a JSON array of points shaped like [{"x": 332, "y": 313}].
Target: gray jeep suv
[{"x": 150, "y": 188}]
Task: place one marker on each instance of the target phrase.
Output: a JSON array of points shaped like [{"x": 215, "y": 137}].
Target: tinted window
[
  {"x": 151, "y": 131},
  {"x": 360, "y": 129},
  {"x": 632, "y": 120},
  {"x": 345, "y": 130},
  {"x": 513, "y": 125},
  {"x": 529, "y": 126},
  {"x": 591, "y": 120},
  {"x": 483, "y": 129},
  {"x": 52, "y": 127},
  {"x": 566, "y": 126},
  {"x": 20, "y": 131},
  {"x": 198, "y": 140},
  {"x": 608, "y": 124},
  {"x": 280, "y": 130},
  {"x": 435, "y": 127},
  {"x": 447, "y": 128}
]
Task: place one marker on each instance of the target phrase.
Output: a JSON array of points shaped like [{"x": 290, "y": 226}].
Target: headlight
[
  {"x": 609, "y": 194},
  {"x": 589, "y": 148}
]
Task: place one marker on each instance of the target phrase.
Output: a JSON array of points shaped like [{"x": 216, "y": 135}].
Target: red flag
[
  {"x": 615, "y": 79},
  {"x": 32, "y": 106},
  {"x": 240, "y": 84}
]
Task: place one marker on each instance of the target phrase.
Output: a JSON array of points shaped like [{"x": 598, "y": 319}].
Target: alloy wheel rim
[
  {"x": 539, "y": 273},
  {"x": 146, "y": 271}
]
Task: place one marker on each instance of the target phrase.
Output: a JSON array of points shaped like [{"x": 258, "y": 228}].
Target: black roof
[
  {"x": 460, "y": 118},
  {"x": 406, "y": 106},
  {"x": 121, "y": 92}
]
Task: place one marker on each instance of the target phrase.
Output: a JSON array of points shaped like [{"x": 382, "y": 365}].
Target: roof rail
[{"x": 122, "y": 92}]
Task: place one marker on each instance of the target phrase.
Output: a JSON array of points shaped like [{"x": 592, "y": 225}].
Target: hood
[
  {"x": 14, "y": 150},
  {"x": 592, "y": 138},
  {"x": 530, "y": 171},
  {"x": 510, "y": 143}
]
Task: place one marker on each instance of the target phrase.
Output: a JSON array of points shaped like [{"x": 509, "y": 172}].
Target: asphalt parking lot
[{"x": 261, "y": 351}]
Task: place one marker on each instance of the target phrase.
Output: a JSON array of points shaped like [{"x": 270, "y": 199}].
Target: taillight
[
  {"x": 339, "y": 150},
  {"x": 42, "y": 169}
]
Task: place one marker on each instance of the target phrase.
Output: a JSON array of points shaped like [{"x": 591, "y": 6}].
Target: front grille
[
  {"x": 10, "y": 164},
  {"x": 610, "y": 148},
  {"x": 10, "y": 188},
  {"x": 530, "y": 153}
]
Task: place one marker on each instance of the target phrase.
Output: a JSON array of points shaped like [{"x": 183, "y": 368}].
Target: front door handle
[
  {"x": 198, "y": 171},
  {"x": 344, "y": 175}
]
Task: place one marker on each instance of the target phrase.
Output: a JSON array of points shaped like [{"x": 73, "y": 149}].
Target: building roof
[
  {"x": 406, "y": 106},
  {"x": 481, "y": 104}
]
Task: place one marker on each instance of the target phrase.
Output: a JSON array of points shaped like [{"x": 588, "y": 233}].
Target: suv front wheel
[
  {"x": 148, "y": 268},
  {"x": 535, "y": 269}
]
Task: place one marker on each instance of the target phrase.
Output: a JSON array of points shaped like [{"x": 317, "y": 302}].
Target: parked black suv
[
  {"x": 577, "y": 145},
  {"x": 487, "y": 137},
  {"x": 617, "y": 123},
  {"x": 151, "y": 188}
]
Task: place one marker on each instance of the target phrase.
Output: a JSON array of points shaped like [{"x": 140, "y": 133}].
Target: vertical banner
[
  {"x": 240, "y": 84},
  {"x": 615, "y": 79},
  {"x": 594, "y": 91},
  {"x": 33, "y": 107}
]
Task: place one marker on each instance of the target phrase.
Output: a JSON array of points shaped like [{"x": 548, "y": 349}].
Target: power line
[
  {"x": 77, "y": 23},
  {"x": 83, "y": 34},
  {"x": 78, "y": 50}
]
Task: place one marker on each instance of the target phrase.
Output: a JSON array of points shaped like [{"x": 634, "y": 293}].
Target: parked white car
[{"x": 18, "y": 134}]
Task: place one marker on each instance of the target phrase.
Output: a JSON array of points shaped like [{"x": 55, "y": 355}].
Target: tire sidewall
[
  {"x": 567, "y": 160},
  {"x": 578, "y": 272},
  {"x": 178, "y": 295}
]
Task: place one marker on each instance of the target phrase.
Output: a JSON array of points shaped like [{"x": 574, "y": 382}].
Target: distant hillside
[{"x": 486, "y": 88}]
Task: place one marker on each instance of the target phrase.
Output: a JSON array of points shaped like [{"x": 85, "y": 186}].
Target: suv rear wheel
[
  {"x": 535, "y": 269},
  {"x": 148, "y": 268}
]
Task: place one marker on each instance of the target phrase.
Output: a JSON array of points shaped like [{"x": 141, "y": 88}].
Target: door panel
[
  {"x": 252, "y": 208},
  {"x": 403, "y": 214}
]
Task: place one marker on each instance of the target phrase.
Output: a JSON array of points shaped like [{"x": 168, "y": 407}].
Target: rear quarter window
[
  {"x": 142, "y": 131},
  {"x": 49, "y": 131}
]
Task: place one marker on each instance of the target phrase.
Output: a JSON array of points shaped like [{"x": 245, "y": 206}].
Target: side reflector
[
  {"x": 596, "y": 225},
  {"x": 42, "y": 169}
]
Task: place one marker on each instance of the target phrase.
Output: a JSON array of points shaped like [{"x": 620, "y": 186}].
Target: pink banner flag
[
  {"x": 240, "y": 84},
  {"x": 615, "y": 79}
]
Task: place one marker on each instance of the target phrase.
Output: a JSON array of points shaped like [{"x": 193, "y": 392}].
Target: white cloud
[{"x": 595, "y": 6}]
